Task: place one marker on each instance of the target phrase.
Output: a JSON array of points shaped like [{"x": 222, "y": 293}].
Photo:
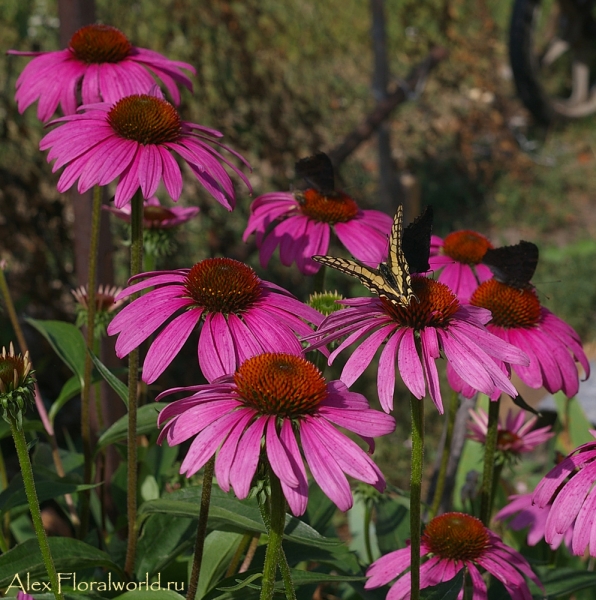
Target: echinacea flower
[
  {"x": 17, "y": 385},
  {"x": 24, "y": 596},
  {"x": 450, "y": 543},
  {"x": 514, "y": 436},
  {"x": 526, "y": 514},
  {"x": 101, "y": 65},
  {"x": 273, "y": 405},
  {"x": 569, "y": 488},
  {"x": 438, "y": 324},
  {"x": 133, "y": 139},
  {"x": 301, "y": 223},
  {"x": 243, "y": 316},
  {"x": 459, "y": 255},
  {"x": 157, "y": 216},
  {"x": 105, "y": 306},
  {"x": 552, "y": 346}
]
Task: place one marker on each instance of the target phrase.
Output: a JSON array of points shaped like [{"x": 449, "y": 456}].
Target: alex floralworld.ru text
[{"x": 69, "y": 580}]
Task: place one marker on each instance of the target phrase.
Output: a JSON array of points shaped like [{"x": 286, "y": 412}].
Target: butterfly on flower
[
  {"x": 391, "y": 280},
  {"x": 513, "y": 265}
]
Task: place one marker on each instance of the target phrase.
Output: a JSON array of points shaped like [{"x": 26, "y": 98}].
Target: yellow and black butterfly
[{"x": 408, "y": 255}]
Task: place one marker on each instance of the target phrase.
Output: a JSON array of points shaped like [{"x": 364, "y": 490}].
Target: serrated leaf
[
  {"x": 446, "y": 590},
  {"x": 69, "y": 556},
  {"x": 146, "y": 423},
  {"x": 111, "y": 379},
  {"x": 67, "y": 342}
]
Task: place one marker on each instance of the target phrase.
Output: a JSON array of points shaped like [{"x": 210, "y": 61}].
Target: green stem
[
  {"x": 490, "y": 450},
  {"x": 442, "y": 476},
  {"x": 86, "y": 393},
  {"x": 27, "y": 473},
  {"x": 5, "y": 527},
  {"x": 319, "y": 280},
  {"x": 201, "y": 528},
  {"x": 417, "y": 407},
  {"x": 367, "y": 519},
  {"x": 276, "y": 530},
  {"x": 136, "y": 261}
]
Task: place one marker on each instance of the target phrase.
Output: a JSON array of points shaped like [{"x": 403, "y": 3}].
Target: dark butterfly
[
  {"x": 513, "y": 265},
  {"x": 392, "y": 279},
  {"x": 317, "y": 172}
]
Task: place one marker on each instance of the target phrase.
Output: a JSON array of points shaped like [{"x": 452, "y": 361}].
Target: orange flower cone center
[
  {"x": 456, "y": 536},
  {"x": 95, "y": 44},
  {"x": 280, "y": 384},
  {"x": 467, "y": 247},
  {"x": 145, "y": 119},
  {"x": 157, "y": 214},
  {"x": 510, "y": 307},
  {"x": 223, "y": 285},
  {"x": 436, "y": 307},
  {"x": 334, "y": 208}
]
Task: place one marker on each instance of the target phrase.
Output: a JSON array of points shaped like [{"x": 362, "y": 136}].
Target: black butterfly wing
[
  {"x": 317, "y": 171},
  {"x": 513, "y": 265},
  {"x": 416, "y": 242}
]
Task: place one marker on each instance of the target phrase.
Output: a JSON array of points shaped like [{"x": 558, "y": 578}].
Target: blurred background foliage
[{"x": 283, "y": 80}]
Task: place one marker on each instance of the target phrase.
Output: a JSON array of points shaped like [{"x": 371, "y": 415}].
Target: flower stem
[
  {"x": 442, "y": 476},
  {"x": 43, "y": 415},
  {"x": 242, "y": 546},
  {"x": 277, "y": 524},
  {"x": 27, "y": 473},
  {"x": 490, "y": 449},
  {"x": 201, "y": 528},
  {"x": 368, "y": 506},
  {"x": 417, "y": 407},
  {"x": 86, "y": 392},
  {"x": 136, "y": 260}
]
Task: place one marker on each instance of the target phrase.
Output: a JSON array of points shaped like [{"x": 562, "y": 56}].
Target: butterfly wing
[
  {"x": 370, "y": 278},
  {"x": 416, "y": 242},
  {"x": 317, "y": 171},
  {"x": 396, "y": 271},
  {"x": 513, "y": 265}
]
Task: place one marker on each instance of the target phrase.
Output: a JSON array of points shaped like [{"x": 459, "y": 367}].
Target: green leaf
[
  {"x": 392, "y": 526},
  {"x": 69, "y": 555},
  {"x": 69, "y": 390},
  {"x": 320, "y": 509},
  {"x": 227, "y": 513},
  {"x": 47, "y": 489},
  {"x": 162, "y": 594},
  {"x": 146, "y": 423},
  {"x": 111, "y": 379},
  {"x": 161, "y": 540},
  {"x": 219, "y": 550},
  {"x": 560, "y": 583},
  {"x": 66, "y": 341},
  {"x": 447, "y": 590}
]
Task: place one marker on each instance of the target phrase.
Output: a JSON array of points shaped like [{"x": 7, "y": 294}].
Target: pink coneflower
[
  {"x": 525, "y": 514},
  {"x": 514, "y": 437},
  {"x": 274, "y": 404},
  {"x": 438, "y": 323},
  {"x": 459, "y": 255},
  {"x": 569, "y": 487},
  {"x": 243, "y": 316},
  {"x": 133, "y": 139},
  {"x": 302, "y": 223},
  {"x": 102, "y": 64},
  {"x": 106, "y": 306},
  {"x": 551, "y": 344},
  {"x": 157, "y": 216},
  {"x": 450, "y": 543}
]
